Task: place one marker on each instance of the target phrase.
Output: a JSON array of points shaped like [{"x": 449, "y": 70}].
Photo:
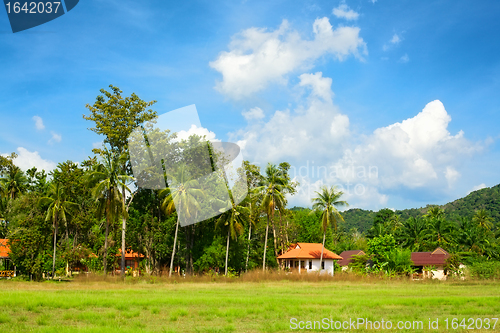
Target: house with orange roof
[
  {"x": 8, "y": 269},
  {"x": 305, "y": 257}
]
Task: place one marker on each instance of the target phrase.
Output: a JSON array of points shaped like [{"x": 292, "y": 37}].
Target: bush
[{"x": 485, "y": 270}]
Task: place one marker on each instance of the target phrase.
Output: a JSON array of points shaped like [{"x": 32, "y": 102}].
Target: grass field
[{"x": 265, "y": 306}]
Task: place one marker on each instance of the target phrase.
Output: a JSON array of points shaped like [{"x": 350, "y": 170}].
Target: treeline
[
  {"x": 487, "y": 199},
  {"x": 86, "y": 214}
]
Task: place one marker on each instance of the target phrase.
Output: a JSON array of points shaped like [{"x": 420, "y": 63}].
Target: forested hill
[{"x": 487, "y": 198}]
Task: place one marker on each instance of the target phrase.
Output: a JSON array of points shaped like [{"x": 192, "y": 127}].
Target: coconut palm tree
[
  {"x": 273, "y": 198},
  {"x": 57, "y": 209},
  {"x": 108, "y": 178},
  {"x": 14, "y": 182},
  {"x": 412, "y": 233},
  {"x": 326, "y": 204},
  {"x": 483, "y": 219},
  {"x": 234, "y": 219},
  {"x": 186, "y": 194}
]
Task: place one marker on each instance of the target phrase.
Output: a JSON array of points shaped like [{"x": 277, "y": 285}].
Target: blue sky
[{"x": 397, "y": 100}]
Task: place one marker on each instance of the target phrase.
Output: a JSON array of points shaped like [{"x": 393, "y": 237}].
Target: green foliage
[
  {"x": 485, "y": 270},
  {"x": 30, "y": 238}
]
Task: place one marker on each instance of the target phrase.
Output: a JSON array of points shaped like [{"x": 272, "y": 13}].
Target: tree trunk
[
  {"x": 275, "y": 246},
  {"x": 248, "y": 250},
  {"x": 124, "y": 227},
  {"x": 322, "y": 249},
  {"x": 265, "y": 246},
  {"x": 55, "y": 246},
  {"x": 173, "y": 251},
  {"x": 108, "y": 213},
  {"x": 227, "y": 249}
]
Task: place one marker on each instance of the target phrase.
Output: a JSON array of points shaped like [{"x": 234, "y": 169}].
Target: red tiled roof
[
  {"x": 347, "y": 256},
  {"x": 309, "y": 251},
  {"x": 435, "y": 258},
  {"x": 130, "y": 254},
  {"x": 4, "y": 248}
]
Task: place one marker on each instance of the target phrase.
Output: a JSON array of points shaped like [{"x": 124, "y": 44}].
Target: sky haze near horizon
[{"x": 395, "y": 101}]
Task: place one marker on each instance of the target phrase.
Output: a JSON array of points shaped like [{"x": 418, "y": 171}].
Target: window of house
[
  {"x": 302, "y": 264},
  {"x": 323, "y": 264},
  {"x": 297, "y": 264},
  {"x": 310, "y": 264}
]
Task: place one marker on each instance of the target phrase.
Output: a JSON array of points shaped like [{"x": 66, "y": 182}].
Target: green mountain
[{"x": 486, "y": 198}]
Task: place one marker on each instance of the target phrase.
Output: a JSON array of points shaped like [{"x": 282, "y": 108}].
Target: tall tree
[
  {"x": 273, "y": 198},
  {"x": 186, "y": 194},
  {"x": 233, "y": 219},
  {"x": 326, "y": 202},
  {"x": 57, "y": 209},
  {"x": 109, "y": 178},
  {"x": 116, "y": 117}
]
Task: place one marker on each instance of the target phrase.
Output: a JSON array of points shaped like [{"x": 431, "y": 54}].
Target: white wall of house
[{"x": 310, "y": 265}]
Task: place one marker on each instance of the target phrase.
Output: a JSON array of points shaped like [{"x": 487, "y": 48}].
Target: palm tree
[
  {"x": 108, "y": 178},
  {"x": 186, "y": 194},
  {"x": 58, "y": 207},
  {"x": 275, "y": 184},
  {"x": 412, "y": 233},
  {"x": 440, "y": 230},
  {"x": 233, "y": 219},
  {"x": 253, "y": 214},
  {"x": 325, "y": 203},
  {"x": 14, "y": 182},
  {"x": 483, "y": 219}
]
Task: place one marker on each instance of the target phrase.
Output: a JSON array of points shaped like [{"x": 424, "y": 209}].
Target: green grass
[{"x": 266, "y": 306}]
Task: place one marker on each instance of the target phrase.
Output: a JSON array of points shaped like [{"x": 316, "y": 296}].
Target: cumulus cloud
[
  {"x": 314, "y": 129},
  {"x": 253, "y": 114},
  {"x": 257, "y": 57},
  {"x": 55, "y": 137},
  {"x": 38, "y": 123},
  {"x": 343, "y": 11},
  {"x": 416, "y": 154},
  {"x": 200, "y": 131},
  {"x": 26, "y": 160}
]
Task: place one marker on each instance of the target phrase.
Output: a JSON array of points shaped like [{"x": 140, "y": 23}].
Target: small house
[
  {"x": 7, "y": 268},
  {"x": 347, "y": 257},
  {"x": 305, "y": 257},
  {"x": 430, "y": 264}
]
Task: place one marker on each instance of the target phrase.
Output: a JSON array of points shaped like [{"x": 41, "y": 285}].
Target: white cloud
[
  {"x": 404, "y": 59},
  {"x": 55, "y": 137},
  {"x": 343, "y": 11},
  {"x": 396, "y": 39},
  {"x": 38, "y": 123},
  {"x": 416, "y": 153},
  {"x": 451, "y": 175},
  {"x": 200, "y": 131},
  {"x": 311, "y": 130},
  {"x": 477, "y": 188},
  {"x": 97, "y": 144},
  {"x": 257, "y": 57},
  {"x": 26, "y": 160},
  {"x": 254, "y": 113}
]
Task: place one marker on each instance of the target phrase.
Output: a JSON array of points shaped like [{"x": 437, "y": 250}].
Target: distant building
[
  {"x": 306, "y": 257},
  {"x": 8, "y": 270},
  {"x": 430, "y": 264},
  {"x": 347, "y": 257}
]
